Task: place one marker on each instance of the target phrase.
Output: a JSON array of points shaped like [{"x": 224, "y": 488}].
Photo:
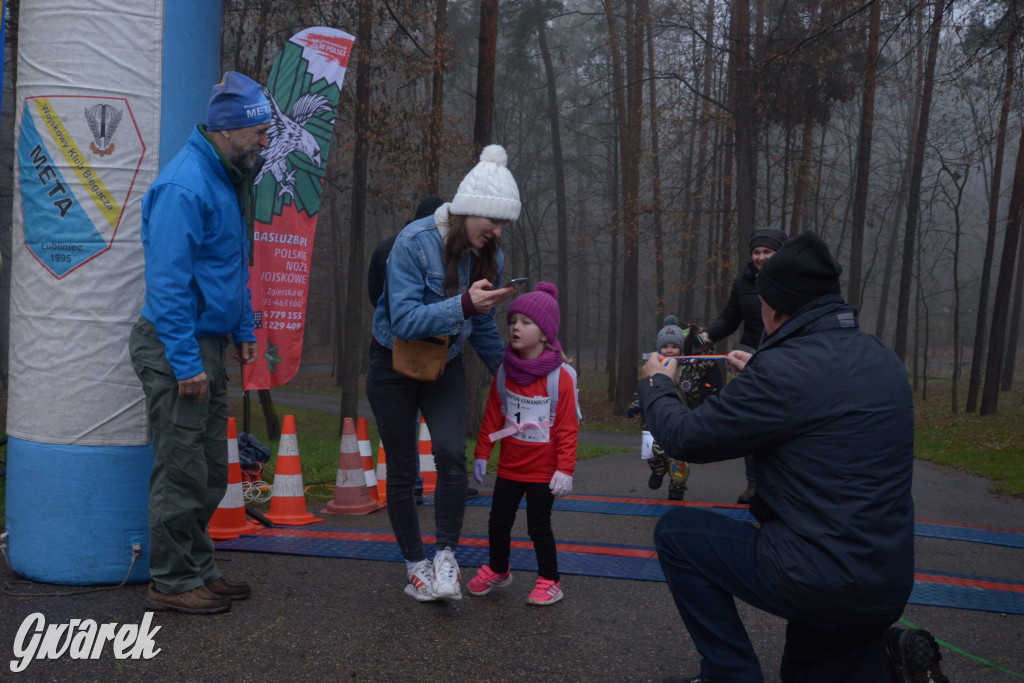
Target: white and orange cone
[
  {"x": 350, "y": 494},
  {"x": 366, "y": 454},
  {"x": 428, "y": 470},
  {"x": 382, "y": 475},
  {"x": 288, "y": 503},
  {"x": 229, "y": 519}
]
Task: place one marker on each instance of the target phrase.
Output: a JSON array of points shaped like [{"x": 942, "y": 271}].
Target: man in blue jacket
[
  {"x": 827, "y": 411},
  {"x": 195, "y": 233}
]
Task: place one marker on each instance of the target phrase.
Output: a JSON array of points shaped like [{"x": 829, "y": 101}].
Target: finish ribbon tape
[
  {"x": 691, "y": 358},
  {"x": 513, "y": 428}
]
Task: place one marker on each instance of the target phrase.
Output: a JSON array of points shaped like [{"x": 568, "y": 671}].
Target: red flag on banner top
[{"x": 304, "y": 89}]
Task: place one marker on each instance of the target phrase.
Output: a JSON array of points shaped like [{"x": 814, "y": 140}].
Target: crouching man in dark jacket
[{"x": 827, "y": 411}]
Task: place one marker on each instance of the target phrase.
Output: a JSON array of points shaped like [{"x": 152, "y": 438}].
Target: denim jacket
[{"x": 419, "y": 306}]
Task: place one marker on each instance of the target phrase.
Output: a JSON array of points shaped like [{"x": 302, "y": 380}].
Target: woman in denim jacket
[{"x": 441, "y": 280}]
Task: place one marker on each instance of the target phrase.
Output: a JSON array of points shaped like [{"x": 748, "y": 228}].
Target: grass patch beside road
[
  {"x": 990, "y": 446},
  {"x": 316, "y": 433}
]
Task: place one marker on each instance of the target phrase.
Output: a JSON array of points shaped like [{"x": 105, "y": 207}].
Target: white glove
[
  {"x": 479, "y": 470},
  {"x": 646, "y": 445},
  {"x": 561, "y": 484}
]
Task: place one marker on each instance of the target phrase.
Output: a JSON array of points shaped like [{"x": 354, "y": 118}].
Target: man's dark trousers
[
  {"x": 708, "y": 559},
  {"x": 190, "y": 461}
]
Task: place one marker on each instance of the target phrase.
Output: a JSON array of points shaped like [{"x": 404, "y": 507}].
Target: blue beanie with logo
[{"x": 237, "y": 102}]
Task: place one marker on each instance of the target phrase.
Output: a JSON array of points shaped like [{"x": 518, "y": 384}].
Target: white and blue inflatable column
[{"x": 108, "y": 92}]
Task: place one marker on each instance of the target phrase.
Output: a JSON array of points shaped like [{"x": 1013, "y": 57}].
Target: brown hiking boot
[
  {"x": 196, "y": 601},
  {"x": 232, "y": 590}
]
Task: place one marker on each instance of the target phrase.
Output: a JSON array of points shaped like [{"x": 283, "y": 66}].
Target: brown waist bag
[{"x": 420, "y": 359}]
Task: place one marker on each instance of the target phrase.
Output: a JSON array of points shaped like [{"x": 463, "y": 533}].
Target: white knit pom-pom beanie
[{"x": 488, "y": 190}]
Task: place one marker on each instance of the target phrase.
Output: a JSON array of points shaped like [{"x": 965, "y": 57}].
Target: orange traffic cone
[
  {"x": 228, "y": 519},
  {"x": 382, "y": 475},
  {"x": 350, "y": 495},
  {"x": 363, "y": 437},
  {"x": 288, "y": 503},
  {"x": 428, "y": 470}
]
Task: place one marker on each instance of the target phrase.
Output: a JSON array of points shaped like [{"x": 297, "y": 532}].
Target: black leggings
[{"x": 539, "y": 499}]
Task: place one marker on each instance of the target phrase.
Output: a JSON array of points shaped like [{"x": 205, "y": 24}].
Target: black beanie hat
[
  {"x": 427, "y": 207},
  {"x": 802, "y": 270},
  {"x": 767, "y": 237}
]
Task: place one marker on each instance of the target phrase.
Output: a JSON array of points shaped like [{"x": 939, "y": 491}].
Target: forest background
[{"x": 648, "y": 138}]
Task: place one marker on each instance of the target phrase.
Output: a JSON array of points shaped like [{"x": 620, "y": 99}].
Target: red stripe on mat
[
  {"x": 970, "y": 526},
  {"x": 650, "y": 501},
  {"x": 384, "y": 537},
  {"x": 970, "y": 583}
]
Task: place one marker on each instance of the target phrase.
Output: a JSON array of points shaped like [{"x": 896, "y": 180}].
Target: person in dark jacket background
[
  {"x": 744, "y": 307},
  {"x": 827, "y": 411},
  {"x": 378, "y": 269}
]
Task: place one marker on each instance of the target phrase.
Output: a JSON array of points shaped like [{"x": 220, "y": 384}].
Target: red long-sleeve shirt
[{"x": 526, "y": 461}]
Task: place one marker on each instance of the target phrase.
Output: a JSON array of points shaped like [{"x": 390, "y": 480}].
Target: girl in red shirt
[{"x": 538, "y": 430}]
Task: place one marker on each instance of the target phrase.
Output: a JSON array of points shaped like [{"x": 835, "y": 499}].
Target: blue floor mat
[
  {"x": 608, "y": 561},
  {"x": 656, "y": 508}
]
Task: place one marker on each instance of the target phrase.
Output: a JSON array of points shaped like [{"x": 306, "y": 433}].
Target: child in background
[
  {"x": 533, "y": 410},
  {"x": 695, "y": 380}
]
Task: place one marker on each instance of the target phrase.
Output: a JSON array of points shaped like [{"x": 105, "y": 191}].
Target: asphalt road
[{"x": 314, "y": 619}]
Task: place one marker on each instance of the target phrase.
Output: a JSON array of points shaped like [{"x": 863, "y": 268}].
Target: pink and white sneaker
[
  {"x": 486, "y": 579},
  {"x": 545, "y": 592}
]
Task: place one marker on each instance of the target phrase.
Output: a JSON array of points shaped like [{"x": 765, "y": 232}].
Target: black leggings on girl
[{"x": 539, "y": 499}]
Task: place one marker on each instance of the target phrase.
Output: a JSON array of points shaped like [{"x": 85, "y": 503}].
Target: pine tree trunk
[
  {"x": 487, "y": 51},
  {"x": 981, "y": 323},
  {"x": 863, "y": 172},
  {"x": 352, "y": 347},
  {"x": 629, "y": 352},
  {"x": 613, "y": 315},
  {"x": 436, "y": 126},
  {"x": 1013, "y": 338},
  {"x": 1004, "y": 285},
  {"x": 701, "y": 186},
  {"x": 745, "y": 114},
  {"x": 560, "y": 194},
  {"x": 659, "y": 242},
  {"x": 802, "y": 180},
  {"x": 914, "y": 200},
  {"x": 619, "y": 209}
]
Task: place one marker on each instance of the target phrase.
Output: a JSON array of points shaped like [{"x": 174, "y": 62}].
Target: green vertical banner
[{"x": 304, "y": 89}]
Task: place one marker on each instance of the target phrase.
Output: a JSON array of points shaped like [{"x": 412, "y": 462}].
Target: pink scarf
[{"x": 523, "y": 371}]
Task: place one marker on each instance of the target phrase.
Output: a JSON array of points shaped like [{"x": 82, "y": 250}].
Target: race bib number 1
[{"x": 530, "y": 411}]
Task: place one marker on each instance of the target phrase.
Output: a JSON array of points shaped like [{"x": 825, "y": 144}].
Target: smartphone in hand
[{"x": 518, "y": 281}]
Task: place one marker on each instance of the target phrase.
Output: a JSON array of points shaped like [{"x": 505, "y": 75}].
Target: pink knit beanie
[{"x": 540, "y": 306}]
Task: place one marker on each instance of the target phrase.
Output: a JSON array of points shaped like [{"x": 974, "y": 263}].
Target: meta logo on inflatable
[{"x": 74, "y": 180}]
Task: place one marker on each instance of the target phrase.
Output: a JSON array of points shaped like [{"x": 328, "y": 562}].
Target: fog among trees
[{"x": 648, "y": 138}]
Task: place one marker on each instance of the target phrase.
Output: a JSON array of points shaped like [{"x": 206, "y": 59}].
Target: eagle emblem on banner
[{"x": 288, "y": 135}]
